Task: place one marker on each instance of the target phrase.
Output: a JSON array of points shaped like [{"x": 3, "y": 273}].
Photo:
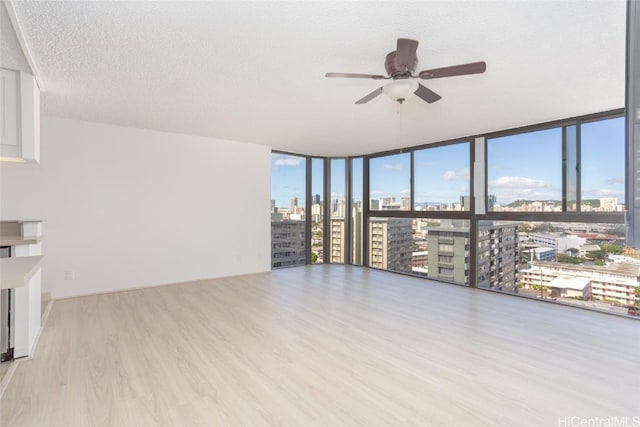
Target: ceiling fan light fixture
[{"x": 400, "y": 89}]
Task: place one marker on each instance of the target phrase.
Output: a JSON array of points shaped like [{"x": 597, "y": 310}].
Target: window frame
[{"x": 477, "y": 144}]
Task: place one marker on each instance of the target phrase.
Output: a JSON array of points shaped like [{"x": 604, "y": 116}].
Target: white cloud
[
  {"x": 453, "y": 175},
  {"x": 609, "y": 193},
  {"x": 517, "y": 182},
  {"x": 405, "y": 191},
  {"x": 615, "y": 180},
  {"x": 287, "y": 161},
  {"x": 395, "y": 166}
]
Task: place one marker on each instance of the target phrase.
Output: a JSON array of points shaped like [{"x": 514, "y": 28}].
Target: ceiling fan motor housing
[{"x": 398, "y": 70}]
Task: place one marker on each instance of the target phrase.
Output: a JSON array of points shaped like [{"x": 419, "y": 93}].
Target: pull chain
[{"x": 400, "y": 123}]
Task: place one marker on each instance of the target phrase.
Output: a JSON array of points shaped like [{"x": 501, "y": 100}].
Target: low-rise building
[
  {"x": 615, "y": 282},
  {"x": 539, "y": 254},
  {"x": 420, "y": 262},
  {"x": 557, "y": 241},
  {"x": 570, "y": 287}
]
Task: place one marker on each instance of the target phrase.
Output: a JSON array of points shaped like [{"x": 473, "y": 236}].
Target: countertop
[
  {"x": 14, "y": 270},
  {"x": 18, "y": 240}
]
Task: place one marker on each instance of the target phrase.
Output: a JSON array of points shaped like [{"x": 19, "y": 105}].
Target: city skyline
[{"x": 523, "y": 166}]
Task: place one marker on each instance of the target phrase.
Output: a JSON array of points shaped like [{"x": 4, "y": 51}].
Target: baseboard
[{"x": 143, "y": 287}]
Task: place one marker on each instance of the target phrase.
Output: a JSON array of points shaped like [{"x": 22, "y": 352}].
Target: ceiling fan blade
[
  {"x": 370, "y": 96},
  {"x": 427, "y": 94},
  {"x": 454, "y": 70},
  {"x": 357, "y": 76},
  {"x": 406, "y": 53}
]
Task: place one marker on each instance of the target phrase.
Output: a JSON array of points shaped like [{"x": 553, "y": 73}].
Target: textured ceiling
[
  {"x": 254, "y": 71},
  {"x": 11, "y": 56}
]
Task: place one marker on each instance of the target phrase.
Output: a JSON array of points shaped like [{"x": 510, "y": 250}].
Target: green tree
[
  {"x": 524, "y": 228},
  {"x": 314, "y": 257},
  {"x": 612, "y": 249},
  {"x": 597, "y": 255},
  {"x": 543, "y": 228},
  {"x": 568, "y": 259}
]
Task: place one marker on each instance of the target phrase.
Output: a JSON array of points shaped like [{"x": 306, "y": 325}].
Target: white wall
[{"x": 126, "y": 208}]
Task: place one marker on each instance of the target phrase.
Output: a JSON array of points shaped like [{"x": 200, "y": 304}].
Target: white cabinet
[
  {"x": 23, "y": 276},
  {"x": 19, "y": 116},
  {"x": 9, "y": 113}
]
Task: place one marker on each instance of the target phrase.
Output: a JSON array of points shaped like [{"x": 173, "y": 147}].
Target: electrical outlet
[{"x": 68, "y": 275}]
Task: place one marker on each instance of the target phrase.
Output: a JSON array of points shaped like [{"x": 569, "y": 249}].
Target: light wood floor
[
  {"x": 4, "y": 368},
  {"x": 323, "y": 346}
]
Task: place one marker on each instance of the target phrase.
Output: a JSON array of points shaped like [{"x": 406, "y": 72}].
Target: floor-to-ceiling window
[
  {"x": 288, "y": 216},
  {"x": 555, "y": 224},
  {"x": 338, "y": 219},
  {"x": 540, "y": 213},
  {"x": 442, "y": 184},
  {"x": 419, "y": 210},
  {"x": 356, "y": 210},
  {"x": 389, "y": 237},
  {"x": 317, "y": 210}
]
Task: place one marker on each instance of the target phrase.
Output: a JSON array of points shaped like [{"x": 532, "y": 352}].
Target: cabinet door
[{"x": 9, "y": 110}]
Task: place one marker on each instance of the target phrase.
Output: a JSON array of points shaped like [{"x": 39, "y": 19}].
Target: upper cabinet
[{"x": 19, "y": 117}]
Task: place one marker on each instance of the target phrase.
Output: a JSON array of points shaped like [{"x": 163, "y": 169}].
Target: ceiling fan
[{"x": 400, "y": 65}]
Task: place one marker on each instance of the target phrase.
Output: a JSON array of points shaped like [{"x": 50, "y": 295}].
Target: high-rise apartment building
[
  {"x": 449, "y": 251},
  {"x": 356, "y": 230},
  {"x": 498, "y": 256},
  {"x": 608, "y": 204},
  {"x": 390, "y": 243},
  {"x": 405, "y": 204},
  {"x": 337, "y": 240},
  {"x": 287, "y": 243},
  {"x": 450, "y": 254},
  {"x": 337, "y": 208},
  {"x": 316, "y": 212}
]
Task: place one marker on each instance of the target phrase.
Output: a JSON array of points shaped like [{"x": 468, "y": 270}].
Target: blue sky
[
  {"x": 524, "y": 166},
  {"x": 529, "y": 165},
  {"x": 603, "y": 154},
  {"x": 287, "y": 179},
  {"x": 441, "y": 174}
]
